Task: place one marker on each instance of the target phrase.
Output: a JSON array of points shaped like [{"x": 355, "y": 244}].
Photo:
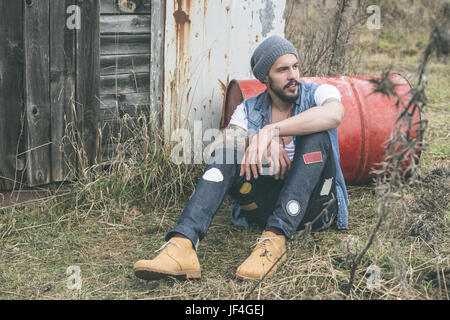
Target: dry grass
[{"x": 109, "y": 219}]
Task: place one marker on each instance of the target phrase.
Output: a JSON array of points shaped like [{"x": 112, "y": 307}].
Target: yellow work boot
[
  {"x": 269, "y": 248},
  {"x": 177, "y": 259}
]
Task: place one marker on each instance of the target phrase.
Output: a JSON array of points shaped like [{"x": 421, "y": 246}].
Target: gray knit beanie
[{"x": 267, "y": 53}]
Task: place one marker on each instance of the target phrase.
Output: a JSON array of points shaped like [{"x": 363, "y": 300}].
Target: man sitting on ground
[{"x": 293, "y": 126}]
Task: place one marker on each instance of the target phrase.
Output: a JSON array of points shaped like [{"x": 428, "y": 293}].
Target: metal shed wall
[{"x": 207, "y": 43}]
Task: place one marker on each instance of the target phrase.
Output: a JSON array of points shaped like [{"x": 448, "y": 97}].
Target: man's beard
[{"x": 279, "y": 92}]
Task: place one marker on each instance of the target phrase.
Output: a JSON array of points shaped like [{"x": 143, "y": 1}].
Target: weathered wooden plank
[
  {"x": 88, "y": 78},
  {"x": 132, "y": 111},
  {"x": 118, "y": 64},
  {"x": 125, "y": 24},
  {"x": 125, "y": 83},
  {"x": 62, "y": 89},
  {"x": 157, "y": 61},
  {"x": 125, "y": 6},
  {"x": 11, "y": 91},
  {"x": 125, "y": 44},
  {"x": 123, "y": 100},
  {"x": 37, "y": 88}
]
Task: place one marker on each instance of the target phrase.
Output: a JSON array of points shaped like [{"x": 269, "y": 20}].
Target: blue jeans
[{"x": 286, "y": 204}]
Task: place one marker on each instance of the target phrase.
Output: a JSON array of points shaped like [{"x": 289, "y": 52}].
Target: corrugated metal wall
[{"x": 208, "y": 43}]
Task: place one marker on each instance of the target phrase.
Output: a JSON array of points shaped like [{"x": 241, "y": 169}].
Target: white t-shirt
[{"x": 323, "y": 92}]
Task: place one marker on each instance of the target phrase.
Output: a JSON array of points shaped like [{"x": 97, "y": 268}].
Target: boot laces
[
  {"x": 261, "y": 243},
  {"x": 167, "y": 243}
]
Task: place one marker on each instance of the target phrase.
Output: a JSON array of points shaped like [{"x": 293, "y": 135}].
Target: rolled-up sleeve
[{"x": 324, "y": 92}]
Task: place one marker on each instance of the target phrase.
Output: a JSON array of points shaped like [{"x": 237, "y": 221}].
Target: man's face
[{"x": 283, "y": 78}]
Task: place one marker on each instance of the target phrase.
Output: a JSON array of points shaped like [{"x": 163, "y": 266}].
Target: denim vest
[{"x": 257, "y": 119}]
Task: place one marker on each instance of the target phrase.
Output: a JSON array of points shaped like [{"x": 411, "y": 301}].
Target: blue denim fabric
[
  {"x": 257, "y": 119},
  {"x": 303, "y": 184},
  {"x": 197, "y": 216}
]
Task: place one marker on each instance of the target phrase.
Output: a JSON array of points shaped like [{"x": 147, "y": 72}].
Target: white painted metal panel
[{"x": 208, "y": 43}]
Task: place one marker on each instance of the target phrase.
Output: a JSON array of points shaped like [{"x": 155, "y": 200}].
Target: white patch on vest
[
  {"x": 326, "y": 187},
  {"x": 293, "y": 208},
  {"x": 213, "y": 175}
]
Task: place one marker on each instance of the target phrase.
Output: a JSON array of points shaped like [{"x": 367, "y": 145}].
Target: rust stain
[
  {"x": 188, "y": 94},
  {"x": 181, "y": 15},
  {"x": 205, "y": 8},
  {"x": 174, "y": 114},
  {"x": 209, "y": 61}
]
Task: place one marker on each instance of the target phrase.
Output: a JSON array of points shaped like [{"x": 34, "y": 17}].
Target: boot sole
[
  {"x": 153, "y": 274},
  {"x": 246, "y": 278}
]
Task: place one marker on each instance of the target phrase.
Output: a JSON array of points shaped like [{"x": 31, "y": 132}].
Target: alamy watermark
[
  {"x": 374, "y": 21},
  {"x": 74, "y": 20},
  {"x": 373, "y": 277},
  {"x": 74, "y": 281},
  {"x": 197, "y": 146}
]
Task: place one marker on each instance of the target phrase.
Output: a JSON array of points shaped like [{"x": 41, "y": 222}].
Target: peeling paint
[
  {"x": 207, "y": 43},
  {"x": 267, "y": 16}
]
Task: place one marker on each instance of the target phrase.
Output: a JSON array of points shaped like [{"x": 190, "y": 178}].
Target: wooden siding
[
  {"x": 62, "y": 89},
  {"x": 37, "y": 88},
  {"x": 124, "y": 65},
  {"x": 88, "y": 87},
  {"x": 49, "y": 79},
  {"x": 11, "y": 95},
  {"x": 56, "y": 80}
]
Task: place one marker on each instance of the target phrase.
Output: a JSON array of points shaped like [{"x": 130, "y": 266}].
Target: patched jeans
[{"x": 287, "y": 204}]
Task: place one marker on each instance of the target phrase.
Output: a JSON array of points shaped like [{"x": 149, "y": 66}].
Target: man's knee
[{"x": 319, "y": 139}]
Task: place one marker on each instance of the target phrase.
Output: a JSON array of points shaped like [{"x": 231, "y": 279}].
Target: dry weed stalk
[
  {"x": 136, "y": 170},
  {"x": 399, "y": 166},
  {"x": 327, "y": 38}
]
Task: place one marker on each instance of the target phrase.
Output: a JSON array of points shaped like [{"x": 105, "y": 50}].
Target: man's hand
[
  {"x": 265, "y": 143},
  {"x": 280, "y": 163}
]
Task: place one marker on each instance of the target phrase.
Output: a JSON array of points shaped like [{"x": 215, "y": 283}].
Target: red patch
[{"x": 312, "y": 157}]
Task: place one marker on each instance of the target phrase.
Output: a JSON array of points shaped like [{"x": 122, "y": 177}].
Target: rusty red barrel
[{"x": 367, "y": 125}]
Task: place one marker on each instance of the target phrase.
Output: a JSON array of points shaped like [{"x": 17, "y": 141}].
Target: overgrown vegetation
[{"x": 108, "y": 219}]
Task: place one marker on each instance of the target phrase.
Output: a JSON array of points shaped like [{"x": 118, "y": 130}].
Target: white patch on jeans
[
  {"x": 326, "y": 187},
  {"x": 213, "y": 175}
]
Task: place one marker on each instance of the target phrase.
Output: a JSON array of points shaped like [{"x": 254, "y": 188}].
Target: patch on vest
[
  {"x": 293, "y": 208},
  {"x": 249, "y": 207},
  {"x": 326, "y": 188},
  {"x": 213, "y": 175},
  {"x": 312, "y": 157},
  {"x": 246, "y": 188}
]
